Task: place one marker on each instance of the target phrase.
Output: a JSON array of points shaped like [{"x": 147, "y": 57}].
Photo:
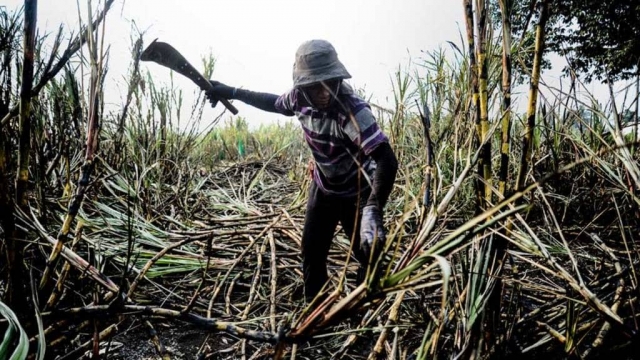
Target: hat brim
[{"x": 336, "y": 70}]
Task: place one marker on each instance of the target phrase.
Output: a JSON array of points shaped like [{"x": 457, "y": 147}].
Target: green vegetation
[{"x": 598, "y": 38}]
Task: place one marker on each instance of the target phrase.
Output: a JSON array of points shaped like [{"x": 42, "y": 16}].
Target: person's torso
[{"x": 338, "y": 160}]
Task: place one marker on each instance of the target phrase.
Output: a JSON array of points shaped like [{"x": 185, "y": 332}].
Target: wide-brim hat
[{"x": 317, "y": 60}]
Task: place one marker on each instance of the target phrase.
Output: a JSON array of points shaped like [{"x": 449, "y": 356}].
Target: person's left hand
[
  {"x": 219, "y": 91},
  {"x": 371, "y": 230}
]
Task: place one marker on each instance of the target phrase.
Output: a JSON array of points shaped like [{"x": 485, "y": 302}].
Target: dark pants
[{"x": 322, "y": 216}]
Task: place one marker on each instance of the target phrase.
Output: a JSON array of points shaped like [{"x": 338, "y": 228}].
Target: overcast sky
[{"x": 254, "y": 41}]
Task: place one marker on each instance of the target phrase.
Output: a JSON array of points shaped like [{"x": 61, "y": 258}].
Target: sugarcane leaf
[{"x": 22, "y": 348}]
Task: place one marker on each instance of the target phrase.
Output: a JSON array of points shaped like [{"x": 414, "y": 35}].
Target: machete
[{"x": 166, "y": 55}]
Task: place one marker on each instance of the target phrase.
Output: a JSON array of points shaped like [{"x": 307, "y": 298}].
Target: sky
[{"x": 254, "y": 41}]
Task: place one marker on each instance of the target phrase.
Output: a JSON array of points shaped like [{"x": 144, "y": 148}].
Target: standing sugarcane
[
  {"x": 500, "y": 244},
  {"x": 25, "y": 103},
  {"x": 15, "y": 251},
  {"x": 473, "y": 72},
  {"x": 484, "y": 165},
  {"x": 427, "y": 199},
  {"x": 505, "y": 10},
  {"x": 91, "y": 148},
  {"x": 527, "y": 140}
]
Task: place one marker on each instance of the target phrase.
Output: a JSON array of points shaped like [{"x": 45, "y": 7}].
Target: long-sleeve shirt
[
  {"x": 341, "y": 140},
  {"x": 344, "y": 140}
]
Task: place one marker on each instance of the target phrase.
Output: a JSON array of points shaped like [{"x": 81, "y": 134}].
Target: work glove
[
  {"x": 371, "y": 230},
  {"x": 220, "y": 91}
]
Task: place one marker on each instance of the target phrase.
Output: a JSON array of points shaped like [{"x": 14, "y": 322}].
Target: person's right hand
[
  {"x": 372, "y": 233},
  {"x": 220, "y": 91}
]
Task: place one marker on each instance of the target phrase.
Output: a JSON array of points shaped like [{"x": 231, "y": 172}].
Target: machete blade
[{"x": 166, "y": 55}]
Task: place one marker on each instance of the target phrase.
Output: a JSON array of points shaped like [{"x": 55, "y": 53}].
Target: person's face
[{"x": 321, "y": 93}]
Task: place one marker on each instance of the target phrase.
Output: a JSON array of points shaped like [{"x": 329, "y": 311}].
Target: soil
[{"x": 181, "y": 341}]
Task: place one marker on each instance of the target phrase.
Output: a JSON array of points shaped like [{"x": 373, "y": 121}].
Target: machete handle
[
  {"x": 214, "y": 100},
  {"x": 229, "y": 106}
]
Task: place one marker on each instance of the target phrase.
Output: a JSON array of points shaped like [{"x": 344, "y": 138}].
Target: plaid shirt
[{"x": 341, "y": 139}]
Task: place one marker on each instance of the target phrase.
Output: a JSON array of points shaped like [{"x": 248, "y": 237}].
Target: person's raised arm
[{"x": 263, "y": 101}]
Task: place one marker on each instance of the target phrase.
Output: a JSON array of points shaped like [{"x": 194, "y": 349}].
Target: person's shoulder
[
  {"x": 289, "y": 101},
  {"x": 346, "y": 89},
  {"x": 291, "y": 93},
  {"x": 352, "y": 99}
]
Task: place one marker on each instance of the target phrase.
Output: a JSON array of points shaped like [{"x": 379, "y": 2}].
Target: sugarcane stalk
[
  {"x": 376, "y": 353},
  {"x": 210, "y": 307},
  {"x": 553, "y": 332},
  {"x": 7, "y": 219},
  {"x": 473, "y": 78},
  {"x": 243, "y": 349},
  {"x": 155, "y": 340},
  {"x": 494, "y": 311},
  {"x": 58, "y": 288},
  {"x": 134, "y": 83},
  {"x": 320, "y": 319},
  {"x": 484, "y": 164},
  {"x": 96, "y": 321},
  {"x": 430, "y": 222},
  {"x": 636, "y": 126},
  {"x": 87, "y": 167},
  {"x": 65, "y": 337},
  {"x": 630, "y": 164},
  {"x": 505, "y": 10},
  {"x": 17, "y": 275},
  {"x": 256, "y": 277},
  {"x": 163, "y": 108},
  {"x": 616, "y": 298},
  {"x": 527, "y": 140},
  {"x": 274, "y": 277},
  {"x": 194, "y": 319}
]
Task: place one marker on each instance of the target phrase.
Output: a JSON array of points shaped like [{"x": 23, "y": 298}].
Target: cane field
[{"x": 127, "y": 235}]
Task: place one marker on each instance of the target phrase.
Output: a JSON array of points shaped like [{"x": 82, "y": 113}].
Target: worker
[{"x": 354, "y": 165}]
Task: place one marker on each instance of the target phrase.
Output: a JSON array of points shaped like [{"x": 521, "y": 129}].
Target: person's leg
[{"x": 320, "y": 222}]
